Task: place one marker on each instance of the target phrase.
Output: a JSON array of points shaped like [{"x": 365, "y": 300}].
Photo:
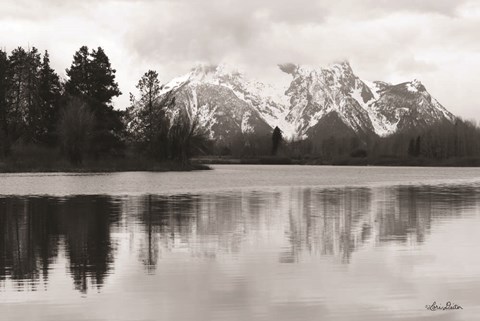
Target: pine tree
[
  {"x": 23, "y": 94},
  {"x": 103, "y": 85},
  {"x": 34, "y": 123},
  {"x": 149, "y": 87},
  {"x": 4, "y": 139},
  {"x": 16, "y": 92},
  {"x": 276, "y": 140},
  {"x": 92, "y": 79},
  {"x": 149, "y": 124},
  {"x": 49, "y": 95},
  {"x": 79, "y": 74}
]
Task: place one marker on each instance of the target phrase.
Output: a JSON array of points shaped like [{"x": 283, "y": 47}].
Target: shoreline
[
  {"x": 101, "y": 167},
  {"x": 387, "y": 162},
  {"x": 202, "y": 163}
]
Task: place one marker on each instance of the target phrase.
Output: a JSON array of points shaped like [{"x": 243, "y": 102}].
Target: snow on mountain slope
[
  {"x": 408, "y": 105},
  {"x": 316, "y": 92},
  {"x": 227, "y": 103}
]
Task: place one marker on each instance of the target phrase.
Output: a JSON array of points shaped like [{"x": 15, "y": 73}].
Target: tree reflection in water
[
  {"x": 34, "y": 231},
  {"x": 296, "y": 223}
]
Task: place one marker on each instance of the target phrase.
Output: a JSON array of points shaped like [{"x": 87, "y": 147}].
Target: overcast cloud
[{"x": 436, "y": 41}]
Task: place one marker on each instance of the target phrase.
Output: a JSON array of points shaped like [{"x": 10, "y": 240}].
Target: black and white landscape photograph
[{"x": 227, "y": 160}]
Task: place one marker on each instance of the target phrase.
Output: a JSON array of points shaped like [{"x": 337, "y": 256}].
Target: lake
[{"x": 241, "y": 243}]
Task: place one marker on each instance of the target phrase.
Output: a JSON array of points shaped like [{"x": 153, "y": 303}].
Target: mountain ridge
[{"x": 229, "y": 103}]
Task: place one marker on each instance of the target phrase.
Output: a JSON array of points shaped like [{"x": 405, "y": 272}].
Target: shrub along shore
[{"x": 104, "y": 166}]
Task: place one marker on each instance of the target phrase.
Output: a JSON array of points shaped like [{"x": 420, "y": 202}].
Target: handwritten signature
[{"x": 448, "y": 306}]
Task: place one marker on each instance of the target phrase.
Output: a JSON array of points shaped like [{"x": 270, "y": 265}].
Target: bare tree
[
  {"x": 186, "y": 137},
  {"x": 75, "y": 130}
]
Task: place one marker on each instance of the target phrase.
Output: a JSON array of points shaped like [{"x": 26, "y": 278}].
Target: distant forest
[{"x": 48, "y": 121}]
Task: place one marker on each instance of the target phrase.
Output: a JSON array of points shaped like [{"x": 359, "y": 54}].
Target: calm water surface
[{"x": 241, "y": 243}]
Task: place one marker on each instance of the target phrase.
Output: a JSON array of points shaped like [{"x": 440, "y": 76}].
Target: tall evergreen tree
[
  {"x": 149, "y": 87},
  {"x": 92, "y": 79},
  {"x": 79, "y": 74},
  {"x": 34, "y": 122},
  {"x": 16, "y": 92},
  {"x": 23, "y": 93},
  {"x": 276, "y": 140},
  {"x": 103, "y": 85},
  {"x": 149, "y": 124},
  {"x": 4, "y": 139},
  {"x": 49, "y": 95}
]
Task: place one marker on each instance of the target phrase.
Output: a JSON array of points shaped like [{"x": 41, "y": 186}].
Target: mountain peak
[
  {"x": 415, "y": 86},
  {"x": 218, "y": 69},
  {"x": 342, "y": 63},
  {"x": 339, "y": 67},
  {"x": 342, "y": 68},
  {"x": 202, "y": 68}
]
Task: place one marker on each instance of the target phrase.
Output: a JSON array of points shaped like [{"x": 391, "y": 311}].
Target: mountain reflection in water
[{"x": 294, "y": 224}]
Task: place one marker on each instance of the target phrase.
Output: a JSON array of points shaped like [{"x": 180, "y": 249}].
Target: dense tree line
[
  {"x": 440, "y": 141},
  {"x": 76, "y": 116},
  {"x": 458, "y": 139},
  {"x": 243, "y": 145},
  {"x": 30, "y": 93}
]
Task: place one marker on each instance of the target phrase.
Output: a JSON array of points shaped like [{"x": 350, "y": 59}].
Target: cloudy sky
[{"x": 436, "y": 41}]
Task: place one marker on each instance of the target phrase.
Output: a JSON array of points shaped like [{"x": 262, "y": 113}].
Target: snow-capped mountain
[
  {"x": 318, "y": 102},
  {"x": 405, "y": 106}
]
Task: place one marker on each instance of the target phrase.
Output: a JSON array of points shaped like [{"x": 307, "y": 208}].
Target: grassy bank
[
  {"x": 346, "y": 161},
  {"x": 112, "y": 165},
  {"x": 51, "y": 162},
  {"x": 44, "y": 160}
]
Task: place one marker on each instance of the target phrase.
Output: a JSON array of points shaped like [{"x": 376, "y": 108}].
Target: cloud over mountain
[{"x": 435, "y": 40}]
